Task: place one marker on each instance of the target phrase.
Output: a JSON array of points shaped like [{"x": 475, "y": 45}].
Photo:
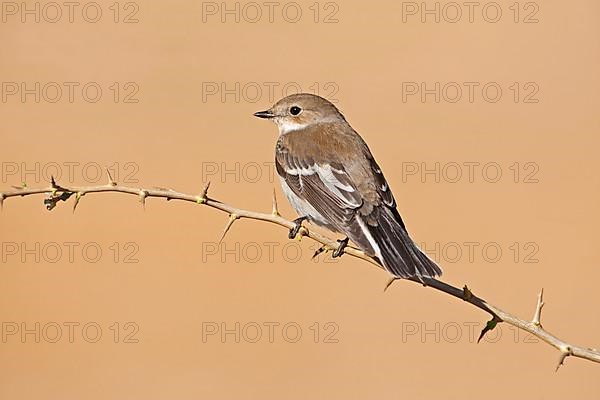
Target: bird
[{"x": 330, "y": 177}]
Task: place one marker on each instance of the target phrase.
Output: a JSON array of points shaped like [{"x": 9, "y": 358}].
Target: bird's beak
[{"x": 264, "y": 114}]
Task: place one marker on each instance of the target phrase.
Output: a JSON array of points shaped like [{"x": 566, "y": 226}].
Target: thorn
[
  {"x": 538, "y": 309},
  {"x": 275, "y": 208},
  {"x": 77, "y": 197},
  {"x": 564, "y": 353},
  {"x": 143, "y": 194},
  {"x": 232, "y": 218},
  {"x": 111, "y": 182},
  {"x": 205, "y": 189},
  {"x": 490, "y": 325},
  {"x": 389, "y": 283},
  {"x": 319, "y": 251},
  {"x": 55, "y": 186},
  {"x": 467, "y": 294},
  {"x": 202, "y": 198}
]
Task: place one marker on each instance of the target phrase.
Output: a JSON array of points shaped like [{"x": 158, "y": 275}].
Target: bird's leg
[
  {"x": 297, "y": 225},
  {"x": 340, "y": 250}
]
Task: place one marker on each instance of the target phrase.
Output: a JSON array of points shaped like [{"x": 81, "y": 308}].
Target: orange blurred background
[{"x": 485, "y": 124}]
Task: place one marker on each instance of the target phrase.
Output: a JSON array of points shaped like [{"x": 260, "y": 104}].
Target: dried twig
[{"x": 56, "y": 193}]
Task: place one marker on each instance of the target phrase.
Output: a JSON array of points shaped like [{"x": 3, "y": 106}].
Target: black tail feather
[{"x": 395, "y": 250}]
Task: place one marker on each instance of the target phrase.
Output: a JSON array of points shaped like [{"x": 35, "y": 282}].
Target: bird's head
[{"x": 301, "y": 110}]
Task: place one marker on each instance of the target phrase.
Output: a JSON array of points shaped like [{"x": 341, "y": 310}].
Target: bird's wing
[
  {"x": 359, "y": 204},
  {"x": 326, "y": 187},
  {"x": 383, "y": 189}
]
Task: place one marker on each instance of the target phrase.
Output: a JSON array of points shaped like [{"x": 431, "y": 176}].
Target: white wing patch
[{"x": 327, "y": 175}]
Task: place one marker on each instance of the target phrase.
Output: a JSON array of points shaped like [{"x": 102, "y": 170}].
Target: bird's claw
[
  {"x": 297, "y": 225},
  {"x": 340, "y": 249}
]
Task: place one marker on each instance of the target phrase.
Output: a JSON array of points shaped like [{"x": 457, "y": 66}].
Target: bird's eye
[{"x": 295, "y": 110}]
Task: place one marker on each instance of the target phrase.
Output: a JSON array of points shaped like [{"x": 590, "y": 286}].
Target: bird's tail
[{"x": 396, "y": 251}]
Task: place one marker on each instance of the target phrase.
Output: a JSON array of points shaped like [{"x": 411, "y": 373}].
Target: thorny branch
[{"x": 56, "y": 193}]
